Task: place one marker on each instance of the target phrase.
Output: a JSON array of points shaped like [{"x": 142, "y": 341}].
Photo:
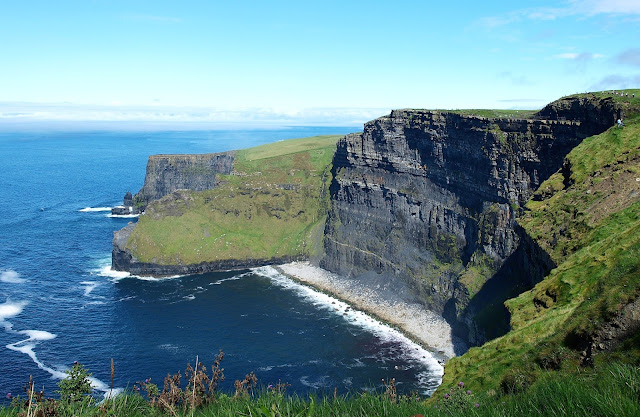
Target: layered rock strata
[
  {"x": 168, "y": 173},
  {"x": 424, "y": 205}
]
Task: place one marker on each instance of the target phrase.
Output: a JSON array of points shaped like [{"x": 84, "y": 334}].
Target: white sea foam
[
  {"x": 89, "y": 286},
  {"x": 423, "y": 325},
  {"x": 94, "y": 209},
  {"x": 28, "y": 345},
  {"x": 320, "y": 382},
  {"x": 123, "y": 216},
  {"x": 11, "y": 277},
  {"x": 106, "y": 271},
  {"x": 408, "y": 349},
  {"x": 9, "y": 309},
  {"x": 233, "y": 278},
  {"x": 94, "y": 303},
  {"x": 38, "y": 334},
  {"x": 189, "y": 297},
  {"x": 169, "y": 347}
]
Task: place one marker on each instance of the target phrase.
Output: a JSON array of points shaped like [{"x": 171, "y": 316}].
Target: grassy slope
[
  {"x": 271, "y": 206},
  {"x": 591, "y": 228},
  {"x": 613, "y": 391},
  {"x": 496, "y": 114}
]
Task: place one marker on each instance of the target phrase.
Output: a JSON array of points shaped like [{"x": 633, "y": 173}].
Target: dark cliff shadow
[{"x": 486, "y": 315}]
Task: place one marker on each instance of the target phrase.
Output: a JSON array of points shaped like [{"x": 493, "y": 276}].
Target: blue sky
[{"x": 295, "y": 62}]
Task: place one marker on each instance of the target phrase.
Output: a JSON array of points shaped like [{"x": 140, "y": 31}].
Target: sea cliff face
[
  {"x": 168, "y": 173},
  {"x": 424, "y": 203}
]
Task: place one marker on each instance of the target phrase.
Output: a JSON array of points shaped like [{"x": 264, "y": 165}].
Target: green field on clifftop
[
  {"x": 272, "y": 205},
  {"x": 587, "y": 217}
]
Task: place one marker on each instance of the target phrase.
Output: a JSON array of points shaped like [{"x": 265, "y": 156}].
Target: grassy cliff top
[
  {"x": 495, "y": 113},
  {"x": 273, "y": 205},
  {"x": 587, "y": 217},
  {"x": 624, "y": 98}
]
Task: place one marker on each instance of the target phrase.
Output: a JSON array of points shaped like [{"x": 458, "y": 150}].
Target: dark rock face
[
  {"x": 595, "y": 115},
  {"x": 168, "y": 173},
  {"x": 426, "y": 201},
  {"x": 128, "y": 207}
]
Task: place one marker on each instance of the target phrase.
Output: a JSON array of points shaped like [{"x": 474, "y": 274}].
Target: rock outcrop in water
[{"x": 424, "y": 203}]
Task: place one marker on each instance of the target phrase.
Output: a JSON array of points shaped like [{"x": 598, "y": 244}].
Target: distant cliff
[
  {"x": 425, "y": 202},
  {"x": 168, "y": 173},
  {"x": 231, "y": 210}
]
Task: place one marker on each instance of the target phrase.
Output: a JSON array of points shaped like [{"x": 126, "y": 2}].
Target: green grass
[
  {"x": 588, "y": 220},
  {"x": 612, "y": 390},
  {"x": 274, "y": 205},
  {"x": 496, "y": 114}
]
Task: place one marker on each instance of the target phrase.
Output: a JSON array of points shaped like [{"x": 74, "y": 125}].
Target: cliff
[
  {"x": 425, "y": 202},
  {"x": 232, "y": 210},
  {"x": 168, "y": 173},
  {"x": 124, "y": 260},
  {"x": 585, "y": 314}
]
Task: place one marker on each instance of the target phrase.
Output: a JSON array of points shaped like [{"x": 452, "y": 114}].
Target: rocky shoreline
[{"x": 423, "y": 326}]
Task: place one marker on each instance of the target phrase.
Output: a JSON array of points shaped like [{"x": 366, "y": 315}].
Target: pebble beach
[{"x": 423, "y": 326}]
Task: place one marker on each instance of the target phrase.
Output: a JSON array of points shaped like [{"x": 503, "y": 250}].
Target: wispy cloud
[
  {"x": 522, "y": 100},
  {"x": 616, "y": 81},
  {"x": 578, "y": 61},
  {"x": 629, "y": 57},
  {"x": 595, "y": 7},
  {"x": 515, "y": 78},
  {"x": 582, "y": 57},
  {"x": 585, "y": 8},
  {"x": 64, "y": 112}
]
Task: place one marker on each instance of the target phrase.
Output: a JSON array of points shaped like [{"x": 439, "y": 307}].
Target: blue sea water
[{"x": 60, "y": 302}]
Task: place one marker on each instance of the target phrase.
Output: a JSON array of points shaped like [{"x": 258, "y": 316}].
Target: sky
[{"x": 304, "y": 62}]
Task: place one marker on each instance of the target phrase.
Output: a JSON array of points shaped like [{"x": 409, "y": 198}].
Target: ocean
[{"x": 60, "y": 302}]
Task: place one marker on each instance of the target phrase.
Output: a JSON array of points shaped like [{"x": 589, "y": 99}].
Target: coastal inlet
[{"x": 60, "y": 303}]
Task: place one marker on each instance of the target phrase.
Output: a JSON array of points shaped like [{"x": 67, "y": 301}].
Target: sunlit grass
[{"x": 273, "y": 206}]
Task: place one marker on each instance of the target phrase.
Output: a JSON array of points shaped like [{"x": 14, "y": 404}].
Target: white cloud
[
  {"x": 516, "y": 79},
  {"x": 584, "y": 56},
  {"x": 64, "y": 112}
]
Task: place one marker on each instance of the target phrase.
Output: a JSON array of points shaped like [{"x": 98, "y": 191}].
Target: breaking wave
[{"x": 94, "y": 209}]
